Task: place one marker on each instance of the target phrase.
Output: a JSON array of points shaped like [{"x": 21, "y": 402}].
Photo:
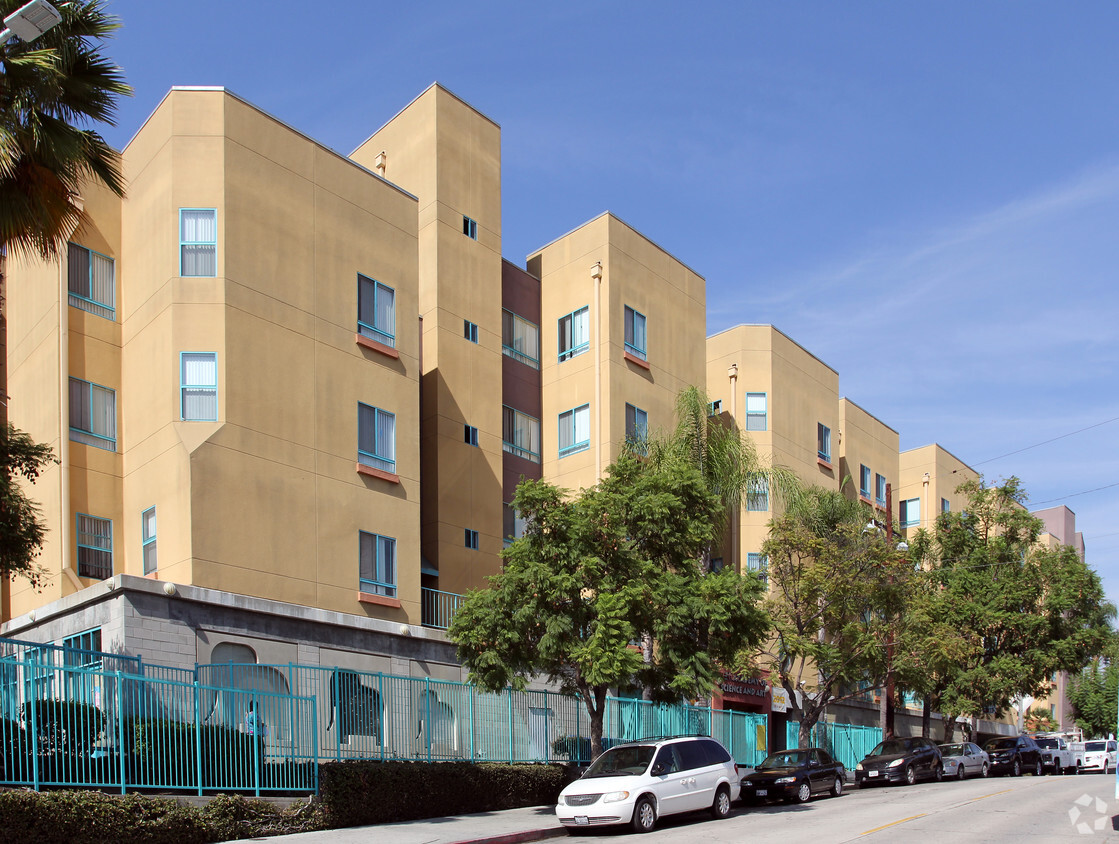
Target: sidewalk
[{"x": 508, "y": 827}]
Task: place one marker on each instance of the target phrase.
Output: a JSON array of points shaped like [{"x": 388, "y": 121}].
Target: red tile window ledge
[
  {"x": 822, "y": 462},
  {"x": 380, "y": 600},
  {"x": 644, "y": 364},
  {"x": 362, "y": 469},
  {"x": 367, "y": 343}
]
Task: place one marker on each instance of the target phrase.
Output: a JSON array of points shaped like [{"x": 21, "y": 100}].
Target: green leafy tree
[
  {"x": 52, "y": 91},
  {"x": 1094, "y": 693},
  {"x": 838, "y": 591},
  {"x": 21, "y": 527},
  {"x": 998, "y": 615},
  {"x": 595, "y": 573}
]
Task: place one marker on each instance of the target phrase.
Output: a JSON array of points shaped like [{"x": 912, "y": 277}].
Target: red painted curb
[{"x": 517, "y": 837}]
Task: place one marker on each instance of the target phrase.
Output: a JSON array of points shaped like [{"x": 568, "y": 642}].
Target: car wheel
[
  {"x": 837, "y": 787},
  {"x": 644, "y": 816},
  {"x": 960, "y": 771},
  {"x": 1105, "y": 767},
  {"x": 721, "y": 807},
  {"x": 910, "y": 775},
  {"x": 938, "y": 773},
  {"x": 986, "y": 770},
  {"x": 1037, "y": 769},
  {"x": 1016, "y": 771},
  {"x": 804, "y": 793},
  {"x": 1057, "y": 769}
]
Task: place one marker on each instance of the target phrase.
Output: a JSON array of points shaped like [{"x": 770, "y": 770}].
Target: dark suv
[
  {"x": 903, "y": 760},
  {"x": 1014, "y": 756}
]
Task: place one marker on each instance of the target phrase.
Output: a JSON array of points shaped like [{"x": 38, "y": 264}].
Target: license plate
[
  {"x": 581, "y": 820},
  {"x": 761, "y": 792},
  {"x": 872, "y": 773}
]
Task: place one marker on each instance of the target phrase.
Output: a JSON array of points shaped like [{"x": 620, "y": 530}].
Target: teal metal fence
[
  {"x": 847, "y": 743},
  {"x": 71, "y": 717}
]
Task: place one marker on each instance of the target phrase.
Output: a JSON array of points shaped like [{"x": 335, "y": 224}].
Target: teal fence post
[
  {"x": 29, "y": 679},
  {"x": 198, "y": 732},
  {"x": 470, "y": 690},
  {"x": 120, "y": 734},
  {"x": 547, "y": 741},
  {"x": 315, "y": 743},
  {"x": 258, "y": 728},
  {"x": 427, "y": 715},
  {"x": 509, "y": 692},
  {"x": 337, "y": 710},
  {"x": 381, "y": 710}
]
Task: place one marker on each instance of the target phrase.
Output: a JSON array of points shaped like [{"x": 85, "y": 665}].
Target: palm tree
[
  {"x": 727, "y": 459},
  {"x": 51, "y": 91}
]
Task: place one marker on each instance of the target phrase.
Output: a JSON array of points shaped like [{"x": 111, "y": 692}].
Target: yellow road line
[
  {"x": 895, "y": 823},
  {"x": 992, "y": 794}
]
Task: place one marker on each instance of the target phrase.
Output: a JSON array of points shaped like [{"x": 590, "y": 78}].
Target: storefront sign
[
  {"x": 746, "y": 687},
  {"x": 780, "y": 700}
]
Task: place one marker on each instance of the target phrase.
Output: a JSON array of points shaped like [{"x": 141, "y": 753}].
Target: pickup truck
[{"x": 1058, "y": 756}]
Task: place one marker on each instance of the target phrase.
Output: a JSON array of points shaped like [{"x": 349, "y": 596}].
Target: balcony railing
[{"x": 438, "y": 608}]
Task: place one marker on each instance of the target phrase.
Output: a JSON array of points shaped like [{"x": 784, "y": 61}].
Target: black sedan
[
  {"x": 900, "y": 760},
  {"x": 794, "y": 775},
  {"x": 1014, "y": 756}
]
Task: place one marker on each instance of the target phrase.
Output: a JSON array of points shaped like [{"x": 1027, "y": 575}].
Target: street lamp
[{"x": 30, "y": 21}]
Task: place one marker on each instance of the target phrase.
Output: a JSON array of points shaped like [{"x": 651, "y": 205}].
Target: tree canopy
[
  {"x": 597, "y": 572},
  {"x": 1094, "y": 693},
  {"x": 838, "y": 588},
  {"x": 51, "y": 91},
  {"x": 21, "y": 526}
]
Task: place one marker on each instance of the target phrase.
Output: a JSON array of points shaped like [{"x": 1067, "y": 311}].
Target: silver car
[{"x": 965, "y": 759}]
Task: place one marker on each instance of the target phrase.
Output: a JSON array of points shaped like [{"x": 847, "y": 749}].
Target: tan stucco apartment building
[{"x": 292, "y": 392}]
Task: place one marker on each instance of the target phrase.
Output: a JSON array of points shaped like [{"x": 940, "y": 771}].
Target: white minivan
[
  {"x": 639, "y": 782},
  {"x": 1099, "y": 755}
]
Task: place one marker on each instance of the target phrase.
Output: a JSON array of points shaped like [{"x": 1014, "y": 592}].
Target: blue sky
[{"x": 923, "y": 195}]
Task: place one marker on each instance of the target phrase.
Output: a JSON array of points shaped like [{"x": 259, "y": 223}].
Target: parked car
[
  {"x": 795, "y": 776},
  {"x": 901, "y": 760},
  {"x": 1099, "y": 755},
  {"x": 965, "y": 759},
  {"x": 1010, "y": 755},
  {"x": 639, "y": 782},
  {"x": 1059, "y": 756}
]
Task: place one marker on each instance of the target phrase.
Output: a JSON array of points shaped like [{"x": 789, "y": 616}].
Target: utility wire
[
  {"x": 1073, "y": 495},
  {"x": 1046, "y": 442}
]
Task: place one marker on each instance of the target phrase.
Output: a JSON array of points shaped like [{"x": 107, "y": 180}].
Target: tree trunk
[
  {"x": 926, "y": 717},
  {"x": 949, "y": 728},
  {"x": 596, "y": 709}
]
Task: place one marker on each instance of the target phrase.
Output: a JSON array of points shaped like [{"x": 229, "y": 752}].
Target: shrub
[
  {"x": 163, "y": 752},
  {"x": 360, "y": 793},
  {"x": 75, "y": 817}
]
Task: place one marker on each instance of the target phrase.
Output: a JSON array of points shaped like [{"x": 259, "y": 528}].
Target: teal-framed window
[
  {"x": 377, "y": 564},
  {"x": 376, "y": 310},
  {"x": 879, "y": 490},
  {"x": 376, "y": 438},
  {"x": 93, "y": 414},
  {"x": 198, "y": 242},
  {"x": 635, "y": 336},
  {"x": 574, "y": 333},
  {"x": 864, "y": 480},
  {"x": 470, "y": 539},
  {"x": 470, "y": 330},
  {"x": 147, "y": 533},
  {"x": 95, "y": 547},
  {"x": 514, "y": 524},
  {"x": 757, "y": 411},
  {"x": 520, "y": 434},
  {"x": 83, "y": 651},
  {"x": 574, "y": 430},
  {"x": 910, "y": 512},
  {"x": 470, "y": 435},
  {"x": 757, "y": 494},
  {"x": 91, "y": 281},
  {"x": 469, "y": 227},
  {"x": 637, "y": 426},
  {"x": 759, "y": 565},
  {"x": 823, "y": 442},
  {"x": 945, "y": 506},
  {"x": 198, "y": 386},
  {"x": 520, "y": 339},
  {"x": 715, "y": 408}
]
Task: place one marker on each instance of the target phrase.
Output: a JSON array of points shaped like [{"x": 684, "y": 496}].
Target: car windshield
[
  {"x": 1000, "y": 744},
  {"x": 1050, "y": 743},
  {"x": 622, "y": 761},
  {"x": 953, "y": 749},
  {"x": 892, "y": 747},
  {"x": 1094, "y": 746},
  {"x": 787, "y": 759}
]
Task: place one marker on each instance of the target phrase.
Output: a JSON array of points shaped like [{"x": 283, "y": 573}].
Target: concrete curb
[{"x": 517, "y": 837}]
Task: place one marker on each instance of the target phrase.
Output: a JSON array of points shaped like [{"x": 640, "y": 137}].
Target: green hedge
[
  {"x": 77, "y": 817},
  {"x": 361, "y": 793}
]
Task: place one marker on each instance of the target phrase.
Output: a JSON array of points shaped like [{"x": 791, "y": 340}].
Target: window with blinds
[
  {"x": 91, "y": 281},
  {"x": 93, "y": 414},
  {"x": 198, "y": 242},
  {"x": 198, "y": 379},
  {"x": 376, "y": 438}
]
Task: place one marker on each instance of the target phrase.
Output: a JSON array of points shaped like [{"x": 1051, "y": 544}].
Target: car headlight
[
  {"x": 615, "y": 796},
  {"x": 747, "y": 784},
  {"x": 785, "y": 780},
  {"x": 897, "y": 762},
  {"x": 859, "y": 767}
]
